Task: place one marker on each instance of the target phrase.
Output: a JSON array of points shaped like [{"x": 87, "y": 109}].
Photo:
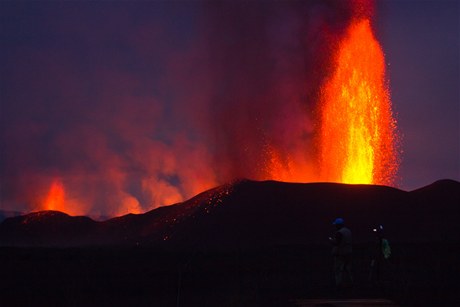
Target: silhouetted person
[
  {"x": 381, "y": 252},
  {"x": 342, "y": 251}
]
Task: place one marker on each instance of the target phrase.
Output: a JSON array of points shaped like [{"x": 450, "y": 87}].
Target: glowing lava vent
[
  {"x": 358, "y": 132},
  {"x": 55, "y": 198}
]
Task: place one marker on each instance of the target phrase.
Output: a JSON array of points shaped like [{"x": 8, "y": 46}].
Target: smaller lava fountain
[{"x": 55, "y": 199}]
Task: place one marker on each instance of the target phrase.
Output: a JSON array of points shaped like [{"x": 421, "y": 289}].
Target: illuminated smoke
[{"x": 155, "y": 102}]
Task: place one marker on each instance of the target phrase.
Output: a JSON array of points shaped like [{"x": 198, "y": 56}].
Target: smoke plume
[{"x": 132, "y": 106}]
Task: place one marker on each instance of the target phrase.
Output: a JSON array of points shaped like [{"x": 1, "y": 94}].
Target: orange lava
[
  {"x": 291, "y": 168},
  {"x": 357, "y": 132},
  {"x": 55, "y": 199}
]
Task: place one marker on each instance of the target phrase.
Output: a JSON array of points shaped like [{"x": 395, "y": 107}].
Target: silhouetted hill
[
  {"x": 250, "y": 214},
  {"x": 6, "y": 214},
  {"x": 268, "y": 213},
  {"x": 47, "y": 228}
]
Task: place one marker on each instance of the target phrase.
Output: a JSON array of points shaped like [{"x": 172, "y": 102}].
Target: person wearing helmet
[
  {"x": 381, "y": 254},
  {"x": 341, "y": 251}
]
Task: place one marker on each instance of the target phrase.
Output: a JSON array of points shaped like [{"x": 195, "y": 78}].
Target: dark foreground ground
[{"x": 417, "y": 274}]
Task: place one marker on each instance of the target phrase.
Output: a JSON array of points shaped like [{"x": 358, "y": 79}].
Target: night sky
[
  {"x": 421, "y": 42},
  {"x": 134, "y": 105}
]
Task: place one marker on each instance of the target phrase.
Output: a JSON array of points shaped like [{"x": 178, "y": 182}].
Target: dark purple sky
[
  {"x": 139, "y": 104},
  {"x": 421, "y": 41}
]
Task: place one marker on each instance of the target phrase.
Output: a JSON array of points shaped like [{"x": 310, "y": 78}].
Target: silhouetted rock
[
  {"x": 47, "y": 228},
  {"x": 250, "y": 214},
  {"x": 6, "y": 214}
]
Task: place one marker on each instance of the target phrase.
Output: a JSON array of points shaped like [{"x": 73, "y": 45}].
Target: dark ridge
[
  {"x": 46, "y": 228},
  {"x": 255, "y": 214},
  {"x": 440, "y": 186},
  {"x": 4, "y": 214}
]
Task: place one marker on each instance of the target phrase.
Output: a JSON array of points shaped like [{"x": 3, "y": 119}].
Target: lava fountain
[
  {"x": 56, "y": 197},
  {"x": 357, "y": 134}
]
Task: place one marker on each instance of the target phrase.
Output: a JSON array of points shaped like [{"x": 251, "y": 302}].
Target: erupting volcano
[
  {"x": 295, "y": 93},
  {"x": 357, "y": 134},
  {"x": 196, "y": 153}
]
